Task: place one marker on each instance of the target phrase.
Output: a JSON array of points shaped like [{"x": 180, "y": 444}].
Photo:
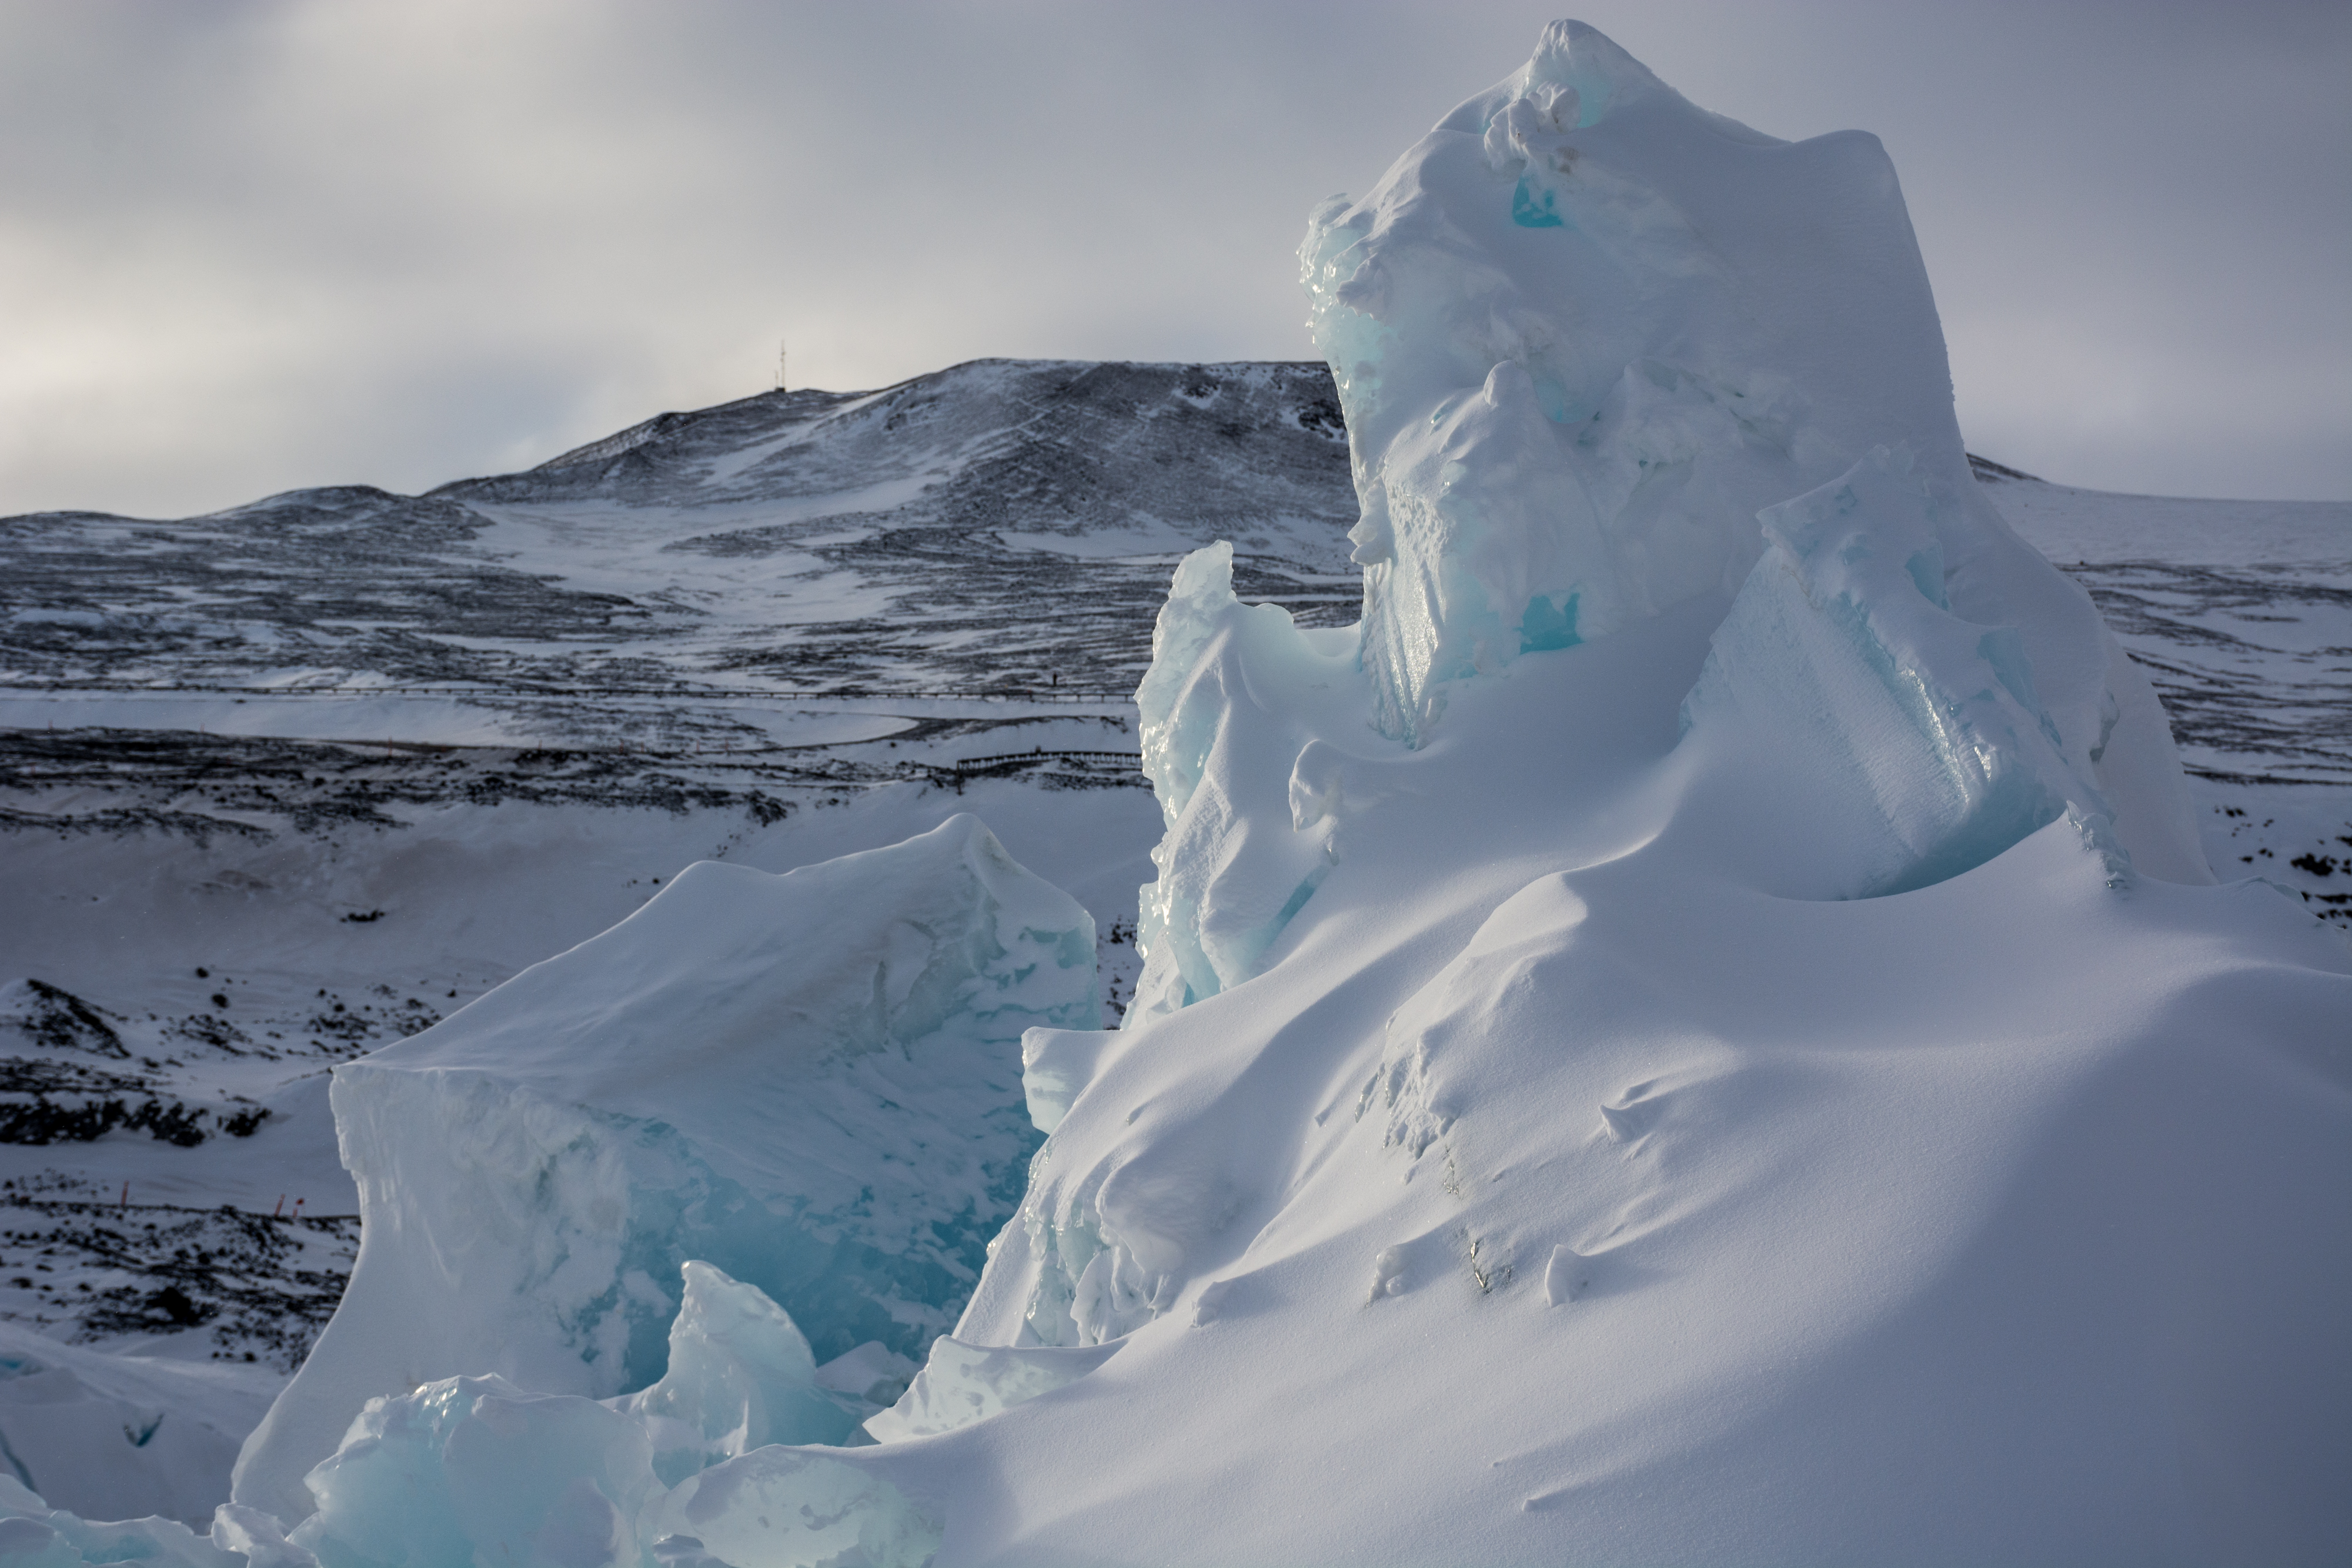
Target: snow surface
[
  {"x": 65, "y": 1413},
  {"x": 1524, "y": 1145}
]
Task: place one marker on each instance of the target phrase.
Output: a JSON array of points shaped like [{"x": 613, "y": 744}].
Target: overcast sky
[{"x": 250, "y": 246}]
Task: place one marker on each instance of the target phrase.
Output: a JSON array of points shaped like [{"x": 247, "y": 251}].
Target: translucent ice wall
[
  {"x": 812, "y": 1082},
  {"x": 1585, "y": 332},
  {"x": 1854, "y": 735},
  {"x": 1227, "y": 688}
]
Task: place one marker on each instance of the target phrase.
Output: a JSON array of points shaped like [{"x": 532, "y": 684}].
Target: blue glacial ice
[{"x": 469, "y": 1469}]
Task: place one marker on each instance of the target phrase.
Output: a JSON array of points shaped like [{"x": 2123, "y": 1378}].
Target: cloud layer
[{"x": 250, "y": 246}]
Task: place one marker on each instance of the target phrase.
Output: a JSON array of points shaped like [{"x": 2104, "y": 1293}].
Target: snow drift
[
  {"x": 106, "y": 1435},
  {"x": 1699, "y": 1032}
]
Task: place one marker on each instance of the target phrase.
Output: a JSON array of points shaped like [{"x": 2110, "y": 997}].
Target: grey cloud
[{"x": 248, "y": 246}]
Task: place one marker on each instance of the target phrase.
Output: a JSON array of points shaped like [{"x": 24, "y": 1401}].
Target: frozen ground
[{"x": 283, "y": 784}]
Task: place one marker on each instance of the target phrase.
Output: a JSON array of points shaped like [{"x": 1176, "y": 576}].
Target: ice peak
[
  {"x": 1577, "y": 76},
  {"x": 1584, "y": 332}
]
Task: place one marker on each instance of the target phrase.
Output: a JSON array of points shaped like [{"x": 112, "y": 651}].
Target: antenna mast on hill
[{"x": 780, "y": 366}]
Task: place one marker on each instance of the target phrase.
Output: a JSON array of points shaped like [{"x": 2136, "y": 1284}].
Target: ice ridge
[{"x": 810, "y": 1081}]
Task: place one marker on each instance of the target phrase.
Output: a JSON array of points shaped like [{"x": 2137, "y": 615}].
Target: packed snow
[{"x": 1704, "y": 1028}]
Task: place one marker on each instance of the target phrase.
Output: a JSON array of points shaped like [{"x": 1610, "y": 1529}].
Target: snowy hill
[
  {"x": 991, "y": 527},
  {"x": 296, "y": 780}
]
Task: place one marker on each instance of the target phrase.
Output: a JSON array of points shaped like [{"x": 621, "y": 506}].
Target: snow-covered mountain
[
  {"x": 1501, "y": 962},
  {"x": 996, "y": 527}
]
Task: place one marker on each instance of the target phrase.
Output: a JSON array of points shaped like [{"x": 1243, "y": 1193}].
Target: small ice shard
[
  {"x": 1387, "y": 1272},
  {"x": 784, "y": 1505},
  {"x": 964, "y": 1382},
  {"x": 1056, "y": 1064},
  {"x": 740, "y": 1378},
  {"x": 1566, "y": 1276},
  {"x": 1210, "y": 1305}
]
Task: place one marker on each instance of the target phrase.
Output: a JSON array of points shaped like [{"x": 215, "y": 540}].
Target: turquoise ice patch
[{"x": 1534, "y": 209}]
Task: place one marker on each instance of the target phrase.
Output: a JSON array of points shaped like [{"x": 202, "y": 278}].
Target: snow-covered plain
[{"x": 1522, "y": 1143}]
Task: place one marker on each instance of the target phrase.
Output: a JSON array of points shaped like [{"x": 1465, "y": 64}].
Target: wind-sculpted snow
[{"x": 811, "y": 1081}]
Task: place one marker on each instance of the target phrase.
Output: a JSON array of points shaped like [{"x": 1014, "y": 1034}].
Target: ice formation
[
  {"x": 964, "y": 1382},
  {"x": 1697, "y": 1036},
  {"x": 1584, "y": 333},
  {"x": 1226, "y": 680},
  {"x": 35, "y": 1535},
  {"x": 704, "y": 1470},
  {"x": 1872, "y": 740},
  {"x": 469, "y": 1469},
  {"x": 1698, "y": 1032},
  {"x": 810, "y": 1081}
]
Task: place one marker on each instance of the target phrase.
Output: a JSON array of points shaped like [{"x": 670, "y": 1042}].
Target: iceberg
[
  {"x": 1698, "y": 1031},
  {"x": 1702, "y": 1030},
  {"x": 808, "y": 1083}
]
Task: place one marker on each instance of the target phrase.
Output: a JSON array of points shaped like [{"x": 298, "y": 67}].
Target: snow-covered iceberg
[
  {"x": 1699, "y": 1032},
  {"x": 1703, "y": 1033},
  {"x": 810, "y": 1081}
]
